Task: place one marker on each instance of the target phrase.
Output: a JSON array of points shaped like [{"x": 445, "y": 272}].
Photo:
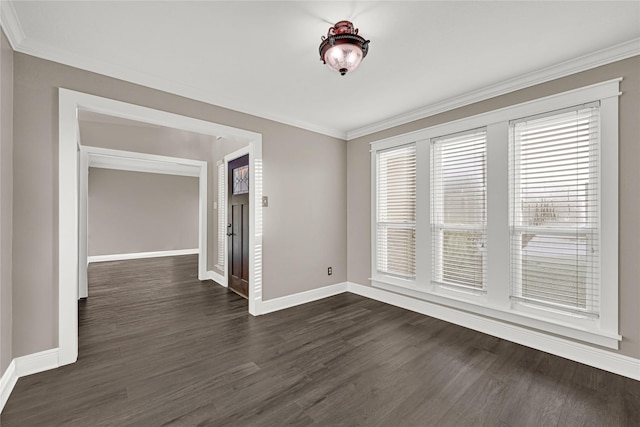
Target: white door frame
[
  {"x": 138, "y": 162},
  {"x": 69, "y": 103}
]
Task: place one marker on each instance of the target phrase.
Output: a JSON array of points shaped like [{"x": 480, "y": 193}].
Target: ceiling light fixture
[{"x": 343, "y": 49}]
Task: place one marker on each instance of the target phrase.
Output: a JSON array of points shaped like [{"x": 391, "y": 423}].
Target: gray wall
[
  {"x": 133, "y": 212},
  {"x": 359, "y": 185},
  {"x": 6, "y": 191},
  {"x": 304, "y": 175},
  {"x": 127, "y": 135}
]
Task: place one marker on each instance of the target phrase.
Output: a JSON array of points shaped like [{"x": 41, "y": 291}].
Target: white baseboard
[
  {"x": 23, "y": 366},
  {"x": 588, "y": 355},
  {"x": 592, "y": 356},
  {"x": 301, "y": 298},
  {"x": 216, "y": 277},
  {"x": 7, "y": 383},
  {"x": 138, "y": 255},
  {"x": 36, "y": 362}
]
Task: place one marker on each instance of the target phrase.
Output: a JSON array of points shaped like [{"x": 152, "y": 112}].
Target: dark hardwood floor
[{"x": 160, "y": 348}]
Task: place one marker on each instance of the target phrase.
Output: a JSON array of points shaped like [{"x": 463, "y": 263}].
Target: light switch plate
[{"x": 265, "y": 201}]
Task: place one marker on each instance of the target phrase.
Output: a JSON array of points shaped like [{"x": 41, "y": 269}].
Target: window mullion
[
  {"x": 423, "y": 210},
  {"x": 498, "y": 215}
]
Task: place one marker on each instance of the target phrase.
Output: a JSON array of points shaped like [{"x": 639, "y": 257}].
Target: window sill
[{"x": 586, "y": 334}]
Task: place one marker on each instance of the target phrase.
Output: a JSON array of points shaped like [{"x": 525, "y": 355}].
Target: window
[
  {"x": 458, "y": 204},
  {"x": 241, "y": 180},
  {"x": 396, "y": 212},
  {"x": 554, "y": 210},
  {"x": 510, "y": 215}
]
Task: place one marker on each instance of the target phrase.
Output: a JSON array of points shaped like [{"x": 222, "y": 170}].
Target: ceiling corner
[{"x": 10, "y": 24}]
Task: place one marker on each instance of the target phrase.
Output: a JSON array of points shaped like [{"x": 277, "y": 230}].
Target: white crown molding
[
  {"x": 573, "y": 66},
  {"x": 11, "y": 24},
  {"x": 23, "y": 44},
  {"x": 44, "y": 51}
]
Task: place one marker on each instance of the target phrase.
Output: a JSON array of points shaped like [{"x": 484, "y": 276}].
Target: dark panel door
[{"x": 238, "y": 227}]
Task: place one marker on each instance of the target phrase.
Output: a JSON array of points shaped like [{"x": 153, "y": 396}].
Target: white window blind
[
  {"x": 222, "y": 232},
  {"x": 554, "y": 210},
  {"x": 459, "y": 209},
  {"x": 396, "y": 212}
]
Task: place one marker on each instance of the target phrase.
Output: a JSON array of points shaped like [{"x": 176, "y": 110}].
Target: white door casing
[
  {"x": 69, "y": 103},
  {"x": 138, "y": 162}
]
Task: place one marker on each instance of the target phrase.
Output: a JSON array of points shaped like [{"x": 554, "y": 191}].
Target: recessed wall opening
[
  {"x": 101, "y": 159},
  {"x": 72, "y": 165}
]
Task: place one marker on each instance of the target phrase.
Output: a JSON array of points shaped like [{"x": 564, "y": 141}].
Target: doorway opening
[
  {"x": 69, "y": 104},
  {"x": 137, "y": 162}
]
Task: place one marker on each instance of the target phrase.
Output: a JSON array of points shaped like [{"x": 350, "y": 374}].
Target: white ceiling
[{"x": 262, "y": 57}]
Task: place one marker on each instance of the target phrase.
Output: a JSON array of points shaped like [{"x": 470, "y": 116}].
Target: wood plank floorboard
[{"x": 160, "y": 348}]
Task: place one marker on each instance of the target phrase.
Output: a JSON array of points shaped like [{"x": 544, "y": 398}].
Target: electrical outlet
[{"x": 330, "y": 271}]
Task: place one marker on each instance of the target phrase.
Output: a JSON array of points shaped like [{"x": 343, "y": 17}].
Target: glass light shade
[{"x": 343, "y": 57}]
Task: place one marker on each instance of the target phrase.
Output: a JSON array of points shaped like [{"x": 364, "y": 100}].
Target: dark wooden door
[{"x": 238, "y": 226}]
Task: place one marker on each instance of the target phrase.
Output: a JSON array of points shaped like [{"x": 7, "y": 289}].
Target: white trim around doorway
[
  {"x": 137, "y": 162},
  {"x": 69, "y": 104}
]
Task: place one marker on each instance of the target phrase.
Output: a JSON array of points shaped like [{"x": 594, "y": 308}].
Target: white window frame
[
  {"x": 496, "y": 302},
  {"x": 587, "y": 232},
  {"x": 401, "y": 281},
  {"x": 439, "y": 226}
]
